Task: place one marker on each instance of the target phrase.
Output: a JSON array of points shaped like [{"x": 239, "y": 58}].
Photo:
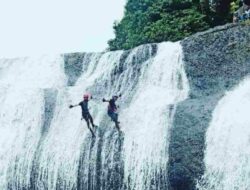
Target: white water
[
  {"x": 62, "y": 146},
  {"x": 150, "y": 86},
  {"x": 227, "y": 155},
  {"x": 21, "y": 112},
  {"x": 149, "y": 117}
]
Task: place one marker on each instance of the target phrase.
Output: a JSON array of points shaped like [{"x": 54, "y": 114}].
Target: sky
[{"x": 33, "y": 27}]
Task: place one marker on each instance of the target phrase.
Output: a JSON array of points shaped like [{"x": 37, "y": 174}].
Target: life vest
[
  {"x": 110, "y": 109},
  {"x": 84, "y": 106},
  {"x": 112, "y": 106}
]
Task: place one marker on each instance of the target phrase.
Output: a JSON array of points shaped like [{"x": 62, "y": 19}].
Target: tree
[
  {"x": 147, "y": 21},
  {"x": 221, "y": 12}
]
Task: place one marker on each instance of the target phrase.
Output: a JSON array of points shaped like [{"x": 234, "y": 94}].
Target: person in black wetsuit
[
  {"x": 112, "y": 110},
  {"x": 85, "y": 112}
]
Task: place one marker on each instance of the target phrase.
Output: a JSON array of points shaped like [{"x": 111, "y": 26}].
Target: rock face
[
  {"x": 58, "y": 152},
  {"x": 75, "y": 64},
  {"x": 215, "y": 61}
]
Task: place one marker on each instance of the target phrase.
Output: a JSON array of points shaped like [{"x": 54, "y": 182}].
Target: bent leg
[
  {"x": 86, "y": 117},
  {"x": 116, "y": 121},
  {"x": 114, "y": 117},
  {"x": 91, "y": 120}
]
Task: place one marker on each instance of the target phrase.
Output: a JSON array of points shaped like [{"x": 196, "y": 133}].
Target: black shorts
[
  {"x": 86, "y": 116},
  {"x": 113, "y": 116}
]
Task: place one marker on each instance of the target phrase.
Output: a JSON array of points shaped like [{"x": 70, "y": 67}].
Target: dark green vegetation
[{"x": 149, "y": 21}]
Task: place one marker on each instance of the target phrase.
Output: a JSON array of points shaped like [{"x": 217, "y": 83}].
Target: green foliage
[
  {"x": 148, "y": 21},
  {"x": 234, "y": 6}
]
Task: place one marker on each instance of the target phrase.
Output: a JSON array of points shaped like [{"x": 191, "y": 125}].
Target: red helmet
[{"x": 86, "y": 96}]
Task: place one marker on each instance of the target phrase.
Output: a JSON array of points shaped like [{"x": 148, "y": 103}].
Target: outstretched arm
[
  {"x": 104, "y": 100},
  {"x": 72, "y": 106}
]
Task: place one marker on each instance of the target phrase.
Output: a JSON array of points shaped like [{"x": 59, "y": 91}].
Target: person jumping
[
  {"x": 112, "y": 110},
  {"x": 85, "y": 112}
]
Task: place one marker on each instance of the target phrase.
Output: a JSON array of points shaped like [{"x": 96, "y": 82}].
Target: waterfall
[
  {"x": 149, "y": 117},
  {"x": 227, "y": 154},
  {"x": 21, "y": 113},
  {"x": 46, "y": 145}
]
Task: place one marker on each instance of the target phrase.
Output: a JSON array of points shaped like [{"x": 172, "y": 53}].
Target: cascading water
[
  {"x": 227, "y": 155},
  {"x": 149, "y": 118},
  {"x": 45, "y": 145},
  {"x": 21, "y": 112}
]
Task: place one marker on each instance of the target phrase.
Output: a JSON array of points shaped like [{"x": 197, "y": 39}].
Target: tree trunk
[{"x": 204, "y": 6}]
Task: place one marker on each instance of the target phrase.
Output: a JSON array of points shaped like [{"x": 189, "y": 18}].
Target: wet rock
[{"x": 215, "y": 61}]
